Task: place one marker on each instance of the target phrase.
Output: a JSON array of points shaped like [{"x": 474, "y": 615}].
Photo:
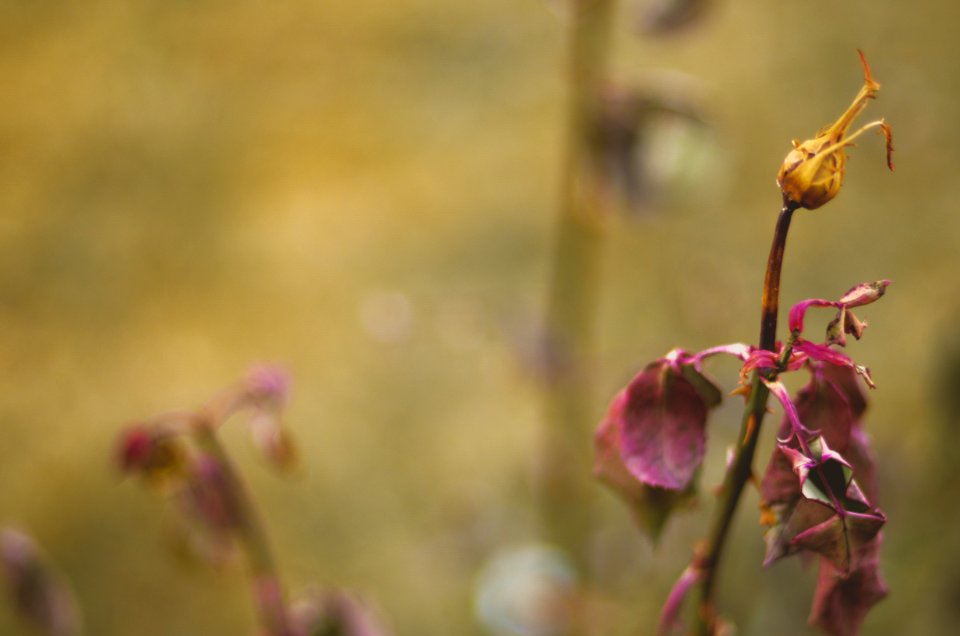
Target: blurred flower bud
[
  {"x": 37, "y": 592},
  {"x": 148, "y": 452},
  {"x": 812, "y": 173},
  {"x": 269, "y": 383},
  {"x": 272, "y": 440}
]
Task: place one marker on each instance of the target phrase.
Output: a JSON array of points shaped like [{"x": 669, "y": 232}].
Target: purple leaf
[
  {"x": 779, "y": 484},
  {"x": 650, "y": 506},
  {"x": 841, "y": 538},
  {"x": 841, "y": 601},
  {"x": 662, "y": 421},
  {"x": 860, "y": 456},
  {"x": 845, "y": 380},
  {"x": 824, "y": 405},
  {"x": 651, "y": 442},
  {"x": 791, "y": 520}
]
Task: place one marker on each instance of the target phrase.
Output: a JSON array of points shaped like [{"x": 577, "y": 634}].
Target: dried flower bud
[
  {"x": 812, "y": 173},
  {"x": 149, "y": 452}
]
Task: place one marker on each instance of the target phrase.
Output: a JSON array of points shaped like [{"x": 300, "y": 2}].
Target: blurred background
[{"x": 365, "y": 193}]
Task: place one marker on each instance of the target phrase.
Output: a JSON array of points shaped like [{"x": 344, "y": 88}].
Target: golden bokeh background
[{"x": 364, "y": 192}]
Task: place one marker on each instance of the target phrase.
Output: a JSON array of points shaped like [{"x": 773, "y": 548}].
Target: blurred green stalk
[{"x": 573, "y": 294}]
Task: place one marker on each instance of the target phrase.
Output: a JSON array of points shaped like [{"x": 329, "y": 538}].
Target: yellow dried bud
[{"x": 812, "y": 172}]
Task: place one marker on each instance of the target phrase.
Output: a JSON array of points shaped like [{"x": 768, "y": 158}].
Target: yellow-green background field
[{"x": 364, "y": 192}]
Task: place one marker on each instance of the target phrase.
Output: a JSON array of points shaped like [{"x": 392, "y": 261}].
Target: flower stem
[
  {"x": 250, "y": 535},
  {"x": 707, "y": 558}
]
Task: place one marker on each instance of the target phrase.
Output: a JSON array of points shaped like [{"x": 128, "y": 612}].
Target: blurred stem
[
  {"x": 707, "y": 559},
  {"x": 572, "y": 300},
  {"x": 250, "y": 535}
]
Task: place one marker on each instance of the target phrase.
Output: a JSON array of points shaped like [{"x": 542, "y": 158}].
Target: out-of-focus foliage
[{"x": 363, "y": 191}]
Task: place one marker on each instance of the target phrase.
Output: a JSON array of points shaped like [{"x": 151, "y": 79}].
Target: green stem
[
  {"x": 708, "y": 558},
  {"x": 249, "y": 533},
  {"x": 572, "y": 301}
]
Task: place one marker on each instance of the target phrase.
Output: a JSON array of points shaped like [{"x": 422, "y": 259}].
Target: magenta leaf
[
  {"x": 779, "y": 484},
  {"x": 842, "y": 600},
  {"x": 651, "y": 442},
  {"x": 650, "y": 506},
  {"x": 662, "y": 423},
  {"x": 792, "y": 519},
  {"x": 811, "y": 500},
  {"x": 825, "y": 405},
  {"x": 841, "y": 538}
]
